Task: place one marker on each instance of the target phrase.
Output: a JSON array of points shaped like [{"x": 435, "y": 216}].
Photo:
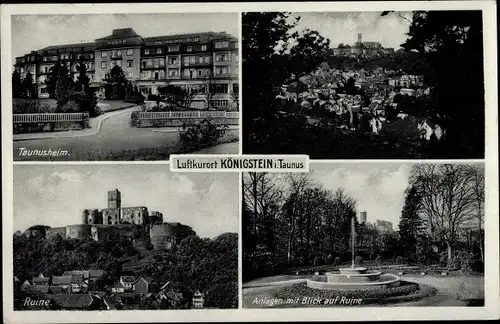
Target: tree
[
  {"x": 175, "y": 97},
  {"x": 17, "y": 86},
  {"x": 63, "y": 84},
  {"x": 478, "y": 188},
  {"x": 83, "y": 80},
  {"x": 51, "y": 80},
  {"x": 447, "y": 200},
  {"x": 452, "y": 44},
  {"x": 410, "y": 224},
  {"x": 116, "y": 83},
  {"x": 264, "y": 71}
]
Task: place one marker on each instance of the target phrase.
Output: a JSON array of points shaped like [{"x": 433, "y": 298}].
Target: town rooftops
[
  {"x": 73, "y": 300},
  {"x": 61, "y": 280}
]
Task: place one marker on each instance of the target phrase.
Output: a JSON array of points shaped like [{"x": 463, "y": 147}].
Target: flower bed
[{"x": 406, "y": 291}]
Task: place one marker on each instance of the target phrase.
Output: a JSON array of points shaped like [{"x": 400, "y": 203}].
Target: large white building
[{"x": 206, "y": 64}]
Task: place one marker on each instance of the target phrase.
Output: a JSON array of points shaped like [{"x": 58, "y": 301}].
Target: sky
[
  {"x": 56, "y": 195},
  {"x": 343, "y": 27},
  {"x": 33, "y": 32},
  {"x": 378, "y": 188}
]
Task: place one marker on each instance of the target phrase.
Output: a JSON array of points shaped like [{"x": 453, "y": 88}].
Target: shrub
[
  {"x": 203, "y": 133},
  {"x": 358, "y": 260},
  {"x": 400, "y": 260},
  {"x": 378, "y": 260},
  {"x": 154, "y": 98},
  {"x": 69, "y": 107},
  {"x": 336, "y": 261},
  {"x": 30, "y": 106}
]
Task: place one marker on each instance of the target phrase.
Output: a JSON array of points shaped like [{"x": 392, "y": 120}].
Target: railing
[
  {"x": 49, "y": 118},
  {"x": 188, "y": 114}
]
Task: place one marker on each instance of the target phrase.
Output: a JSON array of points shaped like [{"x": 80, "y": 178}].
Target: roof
[
  {"x": 120, "y": 33},
  {"x": 84, "y": 273},
  {"x": 39, "y": 280},
  {"x": 216, "y": 35},
  {"x": 54, "y": 47},
  {"x": 72, "y": 300},
  {"x": 61, "y": 280},
  {"x": 77, "y": 278},
  {"x": 96, "y": 273},
  {"x": 149, "y": 280}
]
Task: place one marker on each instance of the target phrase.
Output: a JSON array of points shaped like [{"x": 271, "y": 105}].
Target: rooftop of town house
[
  {"x": 72, "y": 300},
  {"x": 120, "y": 33},
  {"x": 75, "y": 45},
  {"x": 128, "y": 279},
  {"x": 61, "y": 280}
]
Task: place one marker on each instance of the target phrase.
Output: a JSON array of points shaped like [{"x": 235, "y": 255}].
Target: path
[
  {"x": 114, "y": 136},
  {"x": 226, "y": 148},
  {"x": 452, "y": 291}
]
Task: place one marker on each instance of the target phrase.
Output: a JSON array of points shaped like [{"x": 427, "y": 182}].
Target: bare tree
[
  {"x": 448, "y": 199},
  {"x": 478, "y": 188}
]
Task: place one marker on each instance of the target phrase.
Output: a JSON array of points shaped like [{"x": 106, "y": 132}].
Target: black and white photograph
[
  {"x": 364, "y": 85},
  {"x": 124, "y": 237},
  {"x": 359, "y": 234},
  {"x": 124, "y": 86}
]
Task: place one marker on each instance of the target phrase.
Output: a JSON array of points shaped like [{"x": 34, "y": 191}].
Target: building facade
[{"x": 205, "y": 64}]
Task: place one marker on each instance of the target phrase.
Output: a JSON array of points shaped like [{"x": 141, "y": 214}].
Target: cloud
[
  {"x": 343, "y": 27},
  {"x": 55, "y": 197}
]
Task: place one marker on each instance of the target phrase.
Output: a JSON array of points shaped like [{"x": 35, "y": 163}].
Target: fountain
[{"x": 355, "y": 278}]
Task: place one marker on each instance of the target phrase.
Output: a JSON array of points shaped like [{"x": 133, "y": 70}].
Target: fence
[
  {"x": 180, "y": 118},
  {"x": 32, "y": 123},
  {"x": 49, "y": 118}
]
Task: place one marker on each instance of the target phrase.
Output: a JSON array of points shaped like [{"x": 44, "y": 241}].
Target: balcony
[
  {"x": 152, "y": 67},
  {"x": 197, "y": 64}
]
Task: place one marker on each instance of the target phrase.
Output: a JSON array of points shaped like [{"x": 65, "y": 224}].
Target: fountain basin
[
  {"x": 384, "y": 281},
  {"x": 352, "y": 270},
  {"x": 369, "y": 276}
]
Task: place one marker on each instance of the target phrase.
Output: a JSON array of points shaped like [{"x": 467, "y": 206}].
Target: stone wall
[
  {"x": 53, "y": 231},
  {"x": 80, "y": 231}
]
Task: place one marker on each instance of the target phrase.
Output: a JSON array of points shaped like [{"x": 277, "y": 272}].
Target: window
[
  {"x": 124, "y": 41},
  {"x": 173, "y": 73},
  {"x": 104, "y": 54},
  {"x": 45, "y": 58},
  {"x": 237, "y": 44},
  {"x": 189, "y": 48},
  {"x": 91, "y": 55},
  {"x": 221, "y": 44},
  {"x": 104, "y": 65},
  {"x": 203, "y": 47},
  {"x": 119, "y": 63},
  {"x": 44, "y": 90},
  {"x": 46, "y": 69},
  {"x": 156, "y": 63},
  {"x": 236, "y": 58},
  {"x": 54, "y": 58},
  {"x": 162, "y": 62},
  {"x": 130, "y": 52},
  {"x": 186, "y": 60},
  {"x": 192, "y": 59},
  {"x": 146, "y": 51},
  {"x": 222, "y": 58},
  {"x": 172, "y": 60},
  {"x": 186, "y": 73},
  {"x": 158, "y": 51},
  {"x": 173, "y": 48},
  {"x": 200, "y": 59},
  {"x": 22, "y": 70},
  {"x": 200, "y": 72},
  {"x": 130, "y": 74},
  {"x": 130, "y": 63},
  {"x": 236, "y": 88},
  {"x": 207, "y": 59},
  {"x": 222, "y": 70}
]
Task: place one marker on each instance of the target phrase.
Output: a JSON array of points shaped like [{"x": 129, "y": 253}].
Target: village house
[{"x": 198, "y": 299}]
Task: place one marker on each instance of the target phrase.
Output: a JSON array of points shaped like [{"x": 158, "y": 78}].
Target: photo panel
[
  {"x": 358, "y": 234},
  {"x": 124, "y": 86},
  {"x": 364, "y": 84},
  {"x": 123, "y": 237}
]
